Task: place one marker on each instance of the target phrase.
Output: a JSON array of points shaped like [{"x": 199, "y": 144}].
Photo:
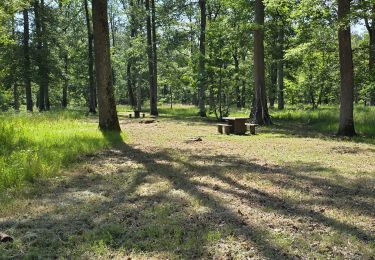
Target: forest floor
[{"x": 283, "y": 193}]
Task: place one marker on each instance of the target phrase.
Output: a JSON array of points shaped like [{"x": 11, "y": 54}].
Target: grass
[
  {"x": 39, "y": 145},
  {"x": 276, "y": 195}
]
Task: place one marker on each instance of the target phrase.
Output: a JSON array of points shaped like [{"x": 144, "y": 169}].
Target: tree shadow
[{"x": 155, "y": 202}]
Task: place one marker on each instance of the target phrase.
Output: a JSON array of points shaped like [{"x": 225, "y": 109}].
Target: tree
[
  {"x": 370, "y": 26},
  {"x": 26, "y": 63},
  {"x": 151, "y": 58},
  {"x": 346, "y": 127},
  {"x": 92, "y": 89},
  {"x": 108, "y": 120},
  {"x": 260, "y": 110},
  {"x": 202, "y": 59},
  {"x": 154, "y": 89}
]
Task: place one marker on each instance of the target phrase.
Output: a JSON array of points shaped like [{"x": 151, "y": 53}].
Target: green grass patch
[{"x": 38, "y": 145}]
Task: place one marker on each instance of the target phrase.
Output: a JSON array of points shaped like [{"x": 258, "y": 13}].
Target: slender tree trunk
[
  {"x": 39, "y": 55},
  {"x": 280, "y": 71},
  {"x": 237, "y": 78},
  {"x": 150, "y": 53},
  {"x": 45, "y": 53},
  {"x": 92, "y": 88},
  {"x": 130, "y": 77},
  {"x": 64, "y": 102},
  {"x": 113, "y": 35},
  {"x": 26, "y": 61},
  {"x": 260, "y": 115},
  {"x": 16, "y": 102},
  {"x": 108, "y": 120},
  {"x": 202, "y": 60},
  {"x": 154, "y": 90},
  {"x": 273, "y": 87},
  {"x": 346, "y": 127}
]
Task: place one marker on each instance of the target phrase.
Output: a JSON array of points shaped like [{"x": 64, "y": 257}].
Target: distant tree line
[{"x": 215, "y": 54}]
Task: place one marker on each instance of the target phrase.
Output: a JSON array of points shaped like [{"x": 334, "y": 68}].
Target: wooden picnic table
[{"x": 238, "y": 124}]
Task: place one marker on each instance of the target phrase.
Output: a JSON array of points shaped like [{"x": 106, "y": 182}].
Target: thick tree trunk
[
  {"x": 260, "y": 115},
  {"x": 371, "y": 31},
  {"x": 372, "y": 62},
  {"x": 108, "y": 120},
  {"x": 92, "y": 88},
  {"x": 202, "y": 60},
  {"x": 346, "y": 127},
  {"x": 26, "y": 61},
  {"x": 280, "y": 71},
  {"x": 154, "y": 90}
]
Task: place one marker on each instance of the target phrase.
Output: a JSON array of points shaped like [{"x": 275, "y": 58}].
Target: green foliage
[{"x": 38, "y": 145}]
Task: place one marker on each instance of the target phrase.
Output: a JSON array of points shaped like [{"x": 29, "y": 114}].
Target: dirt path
[{"x": 274, "y": 195}]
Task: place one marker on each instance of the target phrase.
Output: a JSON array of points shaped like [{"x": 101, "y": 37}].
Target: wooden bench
[
  {"x": 137, "y": 114},
  {"x": 251, "y": 127},
  {"x": 225, "y": 127}
]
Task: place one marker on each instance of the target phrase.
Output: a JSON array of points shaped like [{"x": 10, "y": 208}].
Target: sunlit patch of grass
[{"x": 38, "y": 145}]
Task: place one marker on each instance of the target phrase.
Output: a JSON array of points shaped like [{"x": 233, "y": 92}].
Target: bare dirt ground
[{"x": 276, "y": 195}]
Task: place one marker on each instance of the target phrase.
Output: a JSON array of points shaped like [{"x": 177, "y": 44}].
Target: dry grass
[{"x": 274, "y": 195}]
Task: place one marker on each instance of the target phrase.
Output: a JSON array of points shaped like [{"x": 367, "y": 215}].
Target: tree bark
[
  {"x": 45, "y": 54},
  {"x": 39, "y": 56},
  {"x": 237, "y": 78},
  {"x": 346, "y": 127},
  {"x": 92, "y": 88},
  {"x": 26, "y": 61},
  {"x": 280, "y": 71},
  {"x": 202, "y": 60},
  {"x": 108, "y": 120},
  {"x": 64, "y": 102},
  {"x": 260, "y": 115},
  {"x": 154, "y": 90},
  {"x": 153, "y": 101},
  {"x": 371, "y": 31},
  {"x": 130, "y": 77}
]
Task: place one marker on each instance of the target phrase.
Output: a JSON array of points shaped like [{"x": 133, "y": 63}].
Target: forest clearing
[
  {"x": 187, "y": 129},
  {"x": 283, "y": 193}
]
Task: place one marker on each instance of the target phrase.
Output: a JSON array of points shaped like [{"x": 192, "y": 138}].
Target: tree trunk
[
  {"x": 280, "y": 71},
  {"x": 153, "y": 105},
  {"x": 346, "y": 127},
  {"x": 260, "y": 115},
  {"x": 273, "y": 87},
  {"x": 92, "y": 88},
  {"x": 26, "y": 61},
  {"x": 16, "y": 102},
  {"x": 113, "y": 32},
  {"x": 237, "y": 78},
  {"x": 64, "y": 102},
  {"x": 371, "y": 31},
  {"x": 202, "y": 60},
  {"x": 108, "y": 120},
  {"x": 154, "y": 90},
  {"x": 45, "y": 54},
  {"x": 130, "y": 77},
  {"x": 39, "y": 56}
]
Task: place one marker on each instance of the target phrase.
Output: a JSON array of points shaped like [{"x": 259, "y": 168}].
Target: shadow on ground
[{"x": 169, "y": 203}]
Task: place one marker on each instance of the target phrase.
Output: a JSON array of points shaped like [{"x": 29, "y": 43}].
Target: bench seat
[
  {"x": 225, "y": 127},
  {"x": 251, "y": 127}
]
